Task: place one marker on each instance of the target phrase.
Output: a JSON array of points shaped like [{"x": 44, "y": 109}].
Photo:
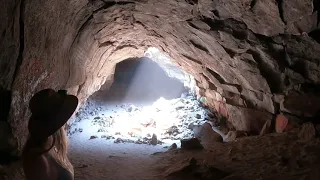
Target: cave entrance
[
  {"x": 151, "y": 101},
  {"x": 141, "y": 81}
]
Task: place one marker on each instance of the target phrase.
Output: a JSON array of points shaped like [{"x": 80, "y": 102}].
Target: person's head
[{"x": 50, "y": 112}]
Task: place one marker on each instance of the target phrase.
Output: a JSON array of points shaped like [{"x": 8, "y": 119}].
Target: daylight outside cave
[{"x": 151, "y": 101}]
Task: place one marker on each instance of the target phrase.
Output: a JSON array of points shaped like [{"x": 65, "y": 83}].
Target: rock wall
[{"x": 251, "y": 59}]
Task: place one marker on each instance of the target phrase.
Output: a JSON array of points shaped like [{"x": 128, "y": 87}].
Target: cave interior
[{"x": 175, "y": 89}]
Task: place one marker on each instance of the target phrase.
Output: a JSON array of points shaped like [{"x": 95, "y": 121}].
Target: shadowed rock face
[{"x": 249, "y": 57}]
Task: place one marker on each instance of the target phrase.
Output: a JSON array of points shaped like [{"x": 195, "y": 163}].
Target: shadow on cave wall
[
  {"x": 7, "y": 153},
  {"x": 142, "y": 80},
  {"x": 5, "y": 102}
]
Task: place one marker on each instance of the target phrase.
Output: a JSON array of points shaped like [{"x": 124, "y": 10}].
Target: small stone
[
  {"x": 103, "y": 136},
  {"x": 175, "y": 134},
  {"x": 173, "y": 146},
  {"x": 109, "y": 137},
  {"x": 101, "y": 130},
  {"x": 192, "y": 143},
  {"x": 130, "y": 109},
  {"x": 117, "y": 133},
  {"x": 154, "y": 140},
  {"x": 231, "y": 136},
  {"x": 118, "y": 140},
  {"x": 138, "y": 142},
  {"x": 198, "y": 116},
  {"x": 307, "y": 132},
  {"x": 156, "y": 153},
  {"x": 93, "y": 137},
  {"x": 281, "y": 123},
  {"x": 128, "y": 141},
  {"x": 179, "y": 107}
]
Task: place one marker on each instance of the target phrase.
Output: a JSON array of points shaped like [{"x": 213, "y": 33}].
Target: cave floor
[{"x": 273, "y": 156}]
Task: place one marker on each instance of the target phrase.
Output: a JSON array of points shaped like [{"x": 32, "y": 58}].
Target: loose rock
[
  {"x": 198, "y": 116},
  {"x": 173, "y": 146},
  {"x": 93, "y": 137},
  {"x": 231, "y": 136},
  {"x": 154, "y": 140},
  {"x": 118, "y": 140},
  {"x": 206, "y": 134},
  {"x": 281, "y": 123}
]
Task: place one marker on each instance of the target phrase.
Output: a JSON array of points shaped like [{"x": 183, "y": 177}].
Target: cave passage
[
  {"x": 142, "y": 81},
  {"x": 147, "y": 103}
]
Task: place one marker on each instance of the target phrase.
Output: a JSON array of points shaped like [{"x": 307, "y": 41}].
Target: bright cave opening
[{"x": 151, "y": 101}]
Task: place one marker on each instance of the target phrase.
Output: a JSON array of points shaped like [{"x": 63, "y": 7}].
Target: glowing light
[
  {"x": 154, "y": 119},
  {"x": 165, "y": 118}
]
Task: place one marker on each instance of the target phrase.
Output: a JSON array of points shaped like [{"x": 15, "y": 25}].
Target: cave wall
[{"x": 251, "y": 59}]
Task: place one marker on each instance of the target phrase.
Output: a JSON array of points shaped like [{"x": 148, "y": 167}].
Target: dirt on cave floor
[
  {"x": 95, "y": 155},
  {"x": 290, "y": 155},
  {"x": 108, "y": 154}
]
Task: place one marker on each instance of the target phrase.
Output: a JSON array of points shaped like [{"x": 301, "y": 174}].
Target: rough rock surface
[
  {"x": 206, "y": 134},
  {"x": 307, "y": 132},
  {"x": 241, "y": 51}
]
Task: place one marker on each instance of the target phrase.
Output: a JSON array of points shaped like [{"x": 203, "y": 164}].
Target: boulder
[
  {"x": 206, "y": 134},
  {"x": 249, "y": 120}
]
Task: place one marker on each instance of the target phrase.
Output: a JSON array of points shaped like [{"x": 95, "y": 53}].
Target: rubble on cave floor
[{"x": 163, "y": 121}]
